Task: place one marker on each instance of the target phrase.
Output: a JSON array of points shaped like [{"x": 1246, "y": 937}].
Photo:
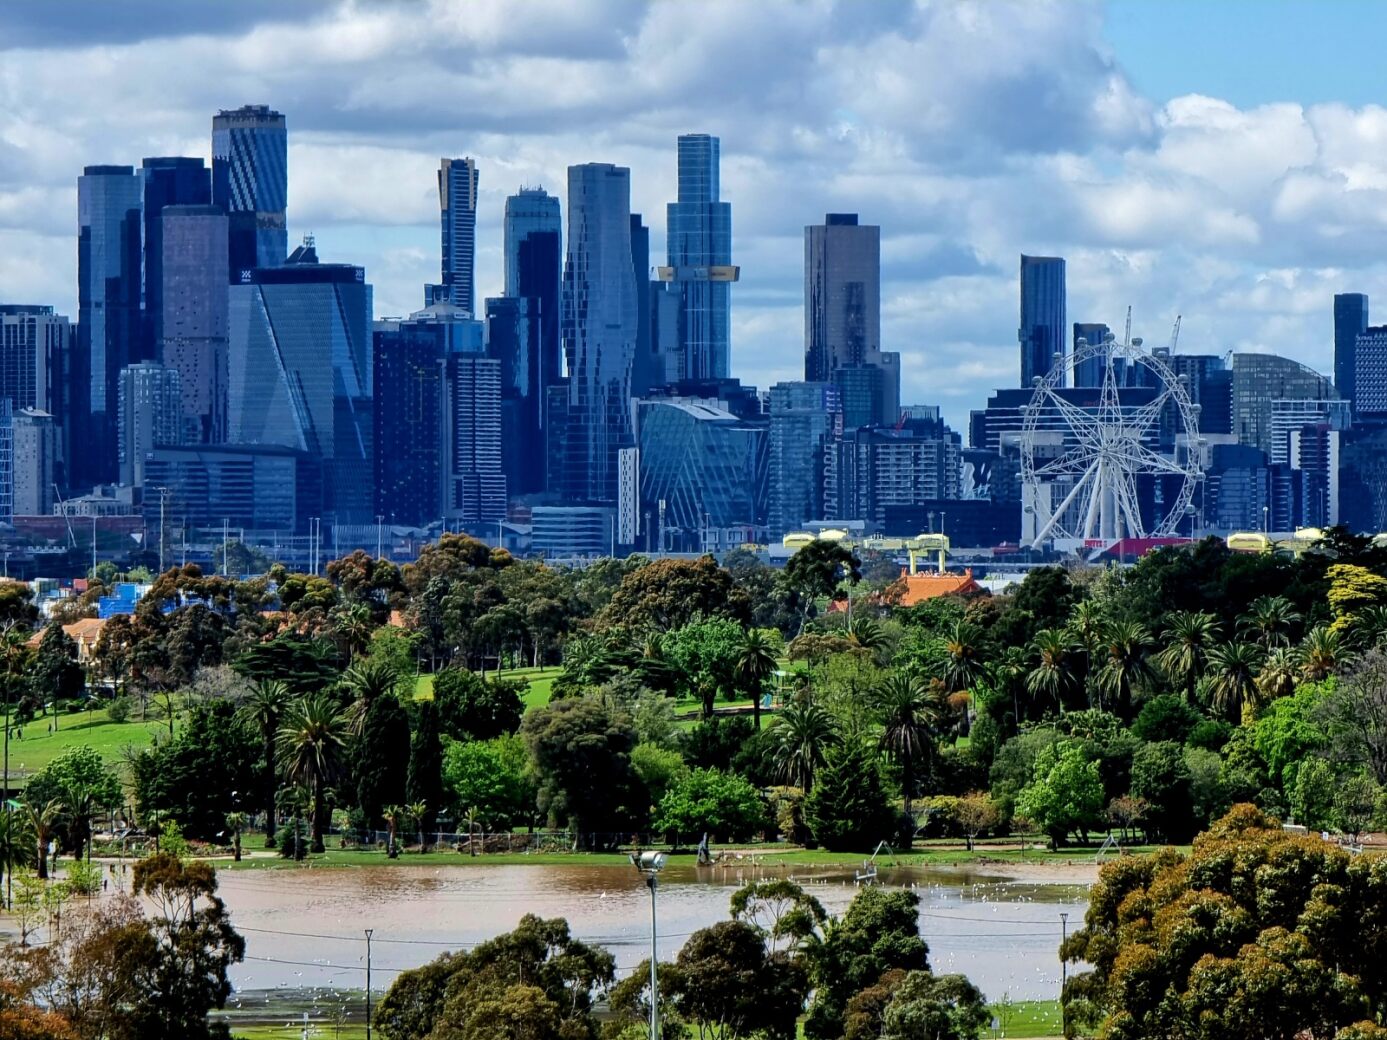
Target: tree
[
  {"x": 311, "y": 741},
  {"x": 262, "y": 711},
  {"x": 910, "y": 714},
  {"x": 963, "y": 665},
  {"x": 43, "y": 818},
  {"x": 1125, "y": 645},
  {"x": 1161, "y": 778},
  {"x": 976, "y": 812},
  {"x": 1257, "y": 933},
  {"x": 424, "y": 779},
  {"x": 368, "y": 681},
  {"x": 1269, "y": 621},
  {"x": 473, "y": 708},
  {"x": 783, "y": 914},
  {"x": 1055, "y": 673},
  {"x": 1189, "y": 635},
  {"x": 83, "y": 783},
  {"x": 16, "y": 845},
  {"x": 667, "y": 594},
  {"x": 236, "y": 824},
  {"x": 1278, "y": 675},
  {"x": 940, "y": 1007},
  {"x": 1233, "y": 679},
  {"x": 1321, "y": 653},
  {"x": 848, "y": 808},
  {"x": 1065, "y": 793},
  {"x": 171, "y": 778},
  {"x": 55, "y": 674},
  {"x": 879, "y": 931},
  {"x": 1166, "y": 717},
  {"x": 756, "y": 662},
  {"x": 707, "y": 801},
  {"x": 730, "y": 987},
  {"x": 489, "y": 778},
  {"x": 376, "y": 754},
  {"x": 804, "y": 731},
  {"x": 818, "y": 571},
  {"x": 581, "y": 753},
  {"x": 704, "y": 655},
  {"x": 1355, "y": 715}
]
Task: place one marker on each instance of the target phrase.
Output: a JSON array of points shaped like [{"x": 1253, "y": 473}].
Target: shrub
[{"x": 118, "y": 710}]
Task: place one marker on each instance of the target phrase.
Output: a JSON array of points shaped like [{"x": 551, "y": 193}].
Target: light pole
[
  {"x": 163, "y": 498},
  {"x": 368, "y": 982},
  {"x": 1064, "y": 967},
  {"x": 649, "y": 864}
]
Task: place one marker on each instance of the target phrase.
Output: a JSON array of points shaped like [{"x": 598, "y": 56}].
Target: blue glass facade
[
  {"x": 1042, "y": 315},
  {"x": 300, "y": 372},
  {"x": 1090, "y": 372},
  {"x": 407, "y": 405},
  {"x": 256, "y": 488},
  {"x": 599, "y": 330},
  {"x": 168, "y": 181},
  {"x": 109, "y": 200},
  {"x": 250, "y": 180},
  {"x": 513, "y": 340},
  {"x": 804, "y": 418},
  {"x": 457, "y": 202},
  {"x": 698, "y": 236},
  {"x": 1350, "y": 322},
  {"x": 194, "y": 318}
]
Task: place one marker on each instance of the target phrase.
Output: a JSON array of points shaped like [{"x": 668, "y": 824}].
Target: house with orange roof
[
  {"x": 911, "y": 589},
  {"x": 84, "y": 632}
]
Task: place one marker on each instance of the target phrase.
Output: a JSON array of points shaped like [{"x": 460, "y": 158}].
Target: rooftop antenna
[{"x": 1127, "y": 339}]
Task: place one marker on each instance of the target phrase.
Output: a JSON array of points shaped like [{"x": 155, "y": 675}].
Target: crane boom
[{"x": 1175, "y": 334}]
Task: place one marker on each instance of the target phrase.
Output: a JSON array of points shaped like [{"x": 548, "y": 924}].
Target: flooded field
[{"x": 304, "y": 928}]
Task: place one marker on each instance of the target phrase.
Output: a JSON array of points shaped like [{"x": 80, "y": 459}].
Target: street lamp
[
  {"x": 1064, "y": 965},
  {"x": 368, "y": 982},
  {"x": 649, "y": 865}
]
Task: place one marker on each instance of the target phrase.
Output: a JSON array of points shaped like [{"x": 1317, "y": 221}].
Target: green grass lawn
[
  {"x": 316, "y": 1031},
  {"x": 1026, "y": 1018},
  {"x": 38, "y": 747},
  {"x": 541, "y": 682}
]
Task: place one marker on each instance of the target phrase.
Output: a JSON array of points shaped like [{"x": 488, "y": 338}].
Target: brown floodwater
[{"x": 304, "y": 928}]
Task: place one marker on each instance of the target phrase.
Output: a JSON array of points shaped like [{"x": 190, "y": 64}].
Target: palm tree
[
  {"x": 417, "y": 813},
  {"x": 1189, "y": 634},
  {"x": 1370, "y": 625},
  {"x": 1321, "y": 652},
  {"x": 1054, "y": 673},
  {"x": 1278, "y": 675},
  {"x": 16, "y": 847},
  {"x": 910, "y": 714},
  {"x": 262, "y": 711},
  {"x": 1269, "y": 620},
  {"x": 42, "y": 819},
  {"x": 393, "y": 815},
  {"x": 368, "y": 681},
  {"x": 1008, "y": 673},
  {"x": 1126, "y": 644},
  {"x": 963, "y": 663},
  {"x": 352, "y": 624},
  {"x": 1233, "y": 671},
  {"x": 864, "y": 633},
  {"x": 1088, "y": 624},
  {"x": 756, "y": 662},
  {"x": 311, "y": 739},
  {"x": 236, "y": 822},
  {"x": 804, "y": 732},
  {"x": 79, "y": 805}
]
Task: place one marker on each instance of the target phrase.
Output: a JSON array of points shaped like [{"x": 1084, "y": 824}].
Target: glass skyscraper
[
  {"x": 1042, "y": 315},
  {"x": 150, "y": 408},
  {"x": 168, "y": 181},
  {"x": 457, "y": 201},
  {"x": 109, "y": 201},
  {"x": 599, "y": 330},
  {"x": 513, "y": 340},
  {"x": 1090, "y": 372},
  {"x": 408, "y": 380},
  {"x": 300, "y": 372},
  {"x": 1350, "y": 322},
  {"x": 193, "y": 328},
  {"x": 698, "y": 238},
  {"x": 250, "y": 180},
  {"x": 804, "y": 418}
]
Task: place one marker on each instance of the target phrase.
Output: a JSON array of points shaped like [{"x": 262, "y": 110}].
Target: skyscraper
[
  {"x": 35, "y": 446},
  {"x": 194, "y": 323},
  {"x": 1090, "y": 372},
  {"x": 1042, "y": 315},
  {"x": 512, "y": 339},
  {"x": 804, "y": 417},
  {"x": 108, "y": 302},
  {"x": 1350, "y": 321},
  {"x": 299, "y": 366},
  {"x": 530, "y": 212},
  {"x": 408, "y": 402},
  {"x": 36, "y": 371},
  {"x": 474, "y": 482},
  {"x": 599, "y": 329},
  {"x": 698, "y": 238},
  {"x": 842, "y": 319},
  {"x": 168, "y": 181},
  {"x": 457, "y": 201},
  {"x": 250, "y": 180},
  {"x": 150, "y": 405}
]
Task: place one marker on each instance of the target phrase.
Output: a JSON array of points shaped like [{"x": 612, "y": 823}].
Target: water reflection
[{"x": 303, "y": 927}]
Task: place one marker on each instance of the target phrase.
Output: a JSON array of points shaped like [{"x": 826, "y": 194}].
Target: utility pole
[
  {"x": 368, "y": 982},
  {"x": 163, "y": 499},
  {"x": 379, "y": 518},
  {"x": 649, "y": 864},
  {"x": 226, "y": 545}
]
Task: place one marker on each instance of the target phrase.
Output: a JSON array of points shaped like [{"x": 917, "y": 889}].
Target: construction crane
[
  {"x": 1127, "y": 337},
  {"x": 1175, "y": 334}
]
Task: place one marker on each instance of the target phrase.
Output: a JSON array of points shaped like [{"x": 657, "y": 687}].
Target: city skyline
[{"x": 1243, "y": 219}]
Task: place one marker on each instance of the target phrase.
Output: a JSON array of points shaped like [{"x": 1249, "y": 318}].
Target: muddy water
[{"x": 304, "y": 928}]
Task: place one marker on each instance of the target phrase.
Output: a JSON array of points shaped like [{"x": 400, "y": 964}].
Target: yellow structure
[{"x": 920, "y": 545}]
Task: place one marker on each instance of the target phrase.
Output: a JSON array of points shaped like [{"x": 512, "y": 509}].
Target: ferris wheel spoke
[
  {"x": 1075, "y": 460},
  {"x": 1078, "y": 419}
]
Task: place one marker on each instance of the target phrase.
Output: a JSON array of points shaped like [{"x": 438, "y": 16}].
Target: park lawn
[
  {"x": 1026, "y": 1018},
  {"x": 541, "y": 682},
  {"x": 37, "y": 747},
  {"x": 318, "y": 1029},
  {"x": 448, "y": 858}
]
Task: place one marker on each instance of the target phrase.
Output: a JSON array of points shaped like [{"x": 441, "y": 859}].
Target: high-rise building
[
  {"x": 35, "y": 446},
  {"x": 531, "y": 212},
  {"x": 260, "y": 487},
  {"x": 513, "y": 339},
  {"x": 1264, "y": 384},
  {"x": 842, "y": 318},
  {"x": 698, "y": 240},
  {"x": 1042, "y": 315},
  {"x": 1350, "y": 322},
  {"x": 1090, "y": 373},
  {"x": 151, "y": 415},
  {"x": 168, "y": 181},
  {"x": 250, "y": 181},
  {"x": 34, "y": 348},
  {"x": 1314, "y": 462},
  {"x": 534, "y": 273},
  {"x": 408, "y": 407},
  {"x": 599, "y": 330},
  {"x": 108, "y": 302},
  {"x": 457, "y": 202},
  {"x": 299, "y": 372},
  {"x": 194, "y": 316},
  {"x": 871, "y": 470},
  {"x": 804, "y": 418},
  {"x": 474, "y": 480},
  {"x": 1370, "y": 374}
]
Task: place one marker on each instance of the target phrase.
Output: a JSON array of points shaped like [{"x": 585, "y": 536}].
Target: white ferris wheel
[{"x": 1084, "y": 461}]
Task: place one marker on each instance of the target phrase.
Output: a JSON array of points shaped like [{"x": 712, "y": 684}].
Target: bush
[
  {"x": 118, "y": 710},
  {"x": 848, "y": 809}
]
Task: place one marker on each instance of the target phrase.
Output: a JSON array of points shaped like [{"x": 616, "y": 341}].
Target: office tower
[
  {"x": 869, "y": 471},
  {"x": 1042, "y": 316},
  {"x": 299, "y": 372},
  {"x": 6, "y": 461},
  {"x": 35, "y": 345},
  {"x": 35, "y": 453},
  {"x": 707, "y": 467},
  {"x": 457, "y": 202},
  {"x": 842, "y": 319},
  {"x": 628, "y": 495},
  {"x": 804, "y": 417},
  {"x": 1370, "y": 374},
  {"x": 408, "y": 403},
  {"x": 108, "y": 302},
  {"x": 474, "y": 480},
  {"x": 534, "y": 272},
  {"x": 261, "y": 487},
  {"x": 250, "y": 181},
  {"x": 533, "y": 212},
  {"x": 1090, "y": 373},
  {"x": 1314, "y": 462},
  {"x": 645, "y": 371},
  {"x": 194, "y": 323},
  {"x": 168, "y": 181},
  {"x": 1350, "y": 322},
  {"x": 1264, "y": 384},
  {"x": 698, "y": 238},
  {"x": 512, "y": 339},
  {"x": 599, "y": 330},
  {"x": 151, "y": 414},
  {"x": 573, "y": 532}
]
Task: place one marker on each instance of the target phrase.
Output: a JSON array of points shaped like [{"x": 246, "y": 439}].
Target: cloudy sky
[{"x": 1227, "y": 161}]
